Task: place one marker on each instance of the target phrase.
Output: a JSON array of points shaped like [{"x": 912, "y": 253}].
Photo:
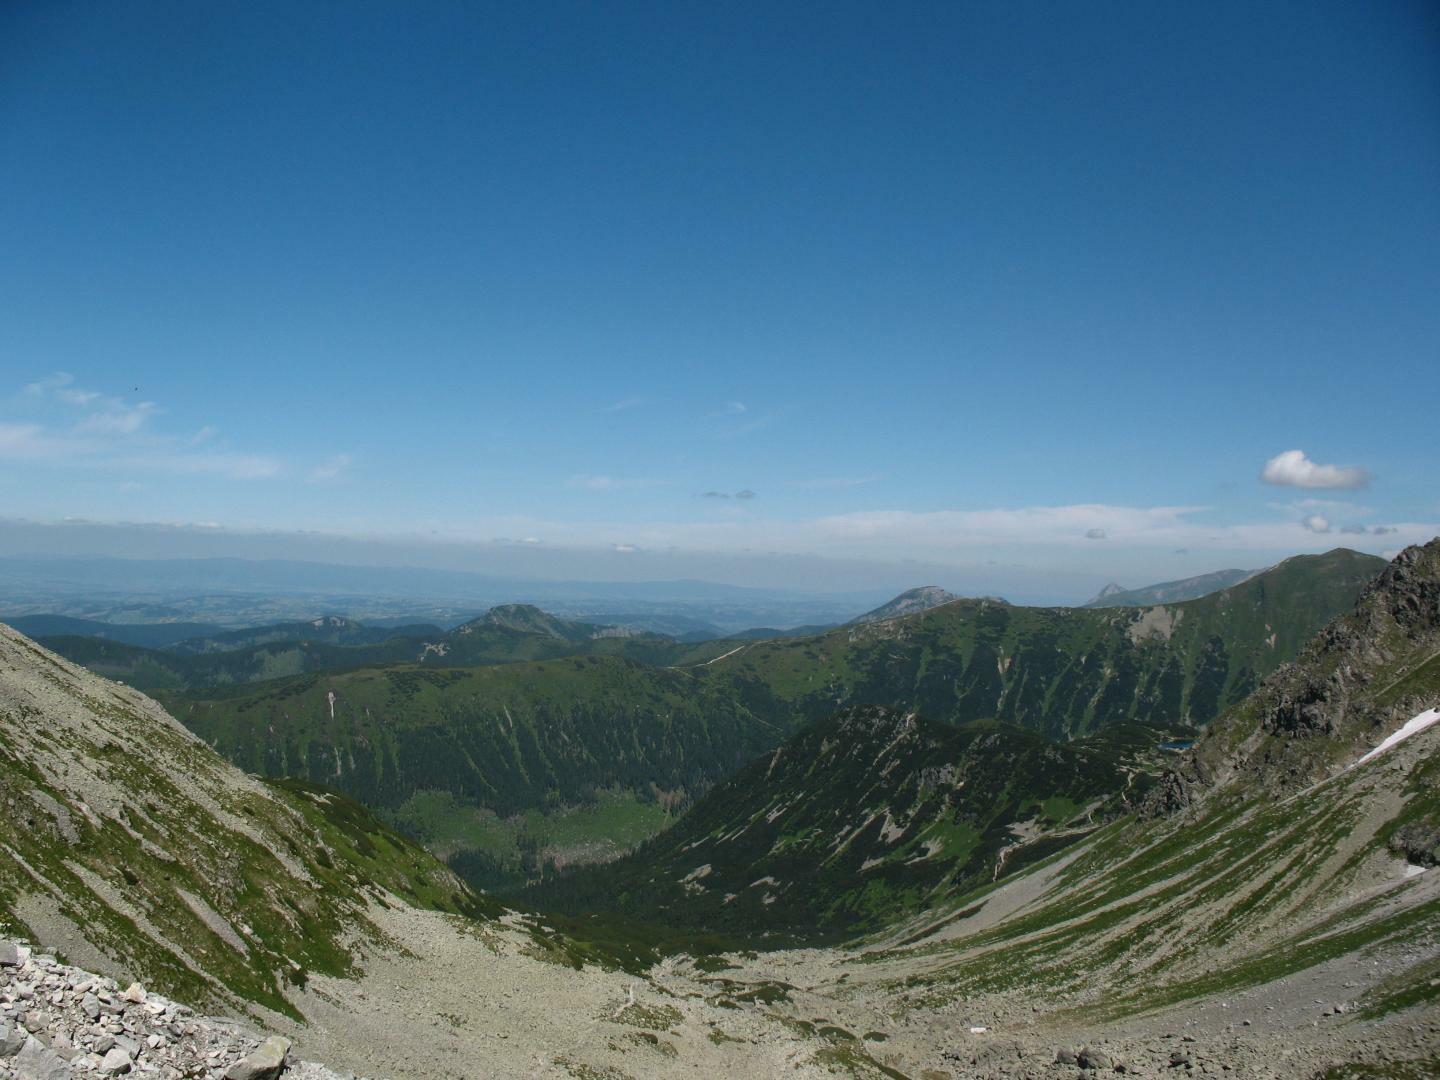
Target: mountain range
[
  {"x": 453, "y": 749},
  {"x": 982, "y": 897}
]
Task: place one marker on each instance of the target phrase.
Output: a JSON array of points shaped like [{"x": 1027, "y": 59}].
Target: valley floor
[{"x": 488, "y": 1002}]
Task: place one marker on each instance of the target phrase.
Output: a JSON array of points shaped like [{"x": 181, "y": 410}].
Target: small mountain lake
[{"x": 1177, "y": 744}]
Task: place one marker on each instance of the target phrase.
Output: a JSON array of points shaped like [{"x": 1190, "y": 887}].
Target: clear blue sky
[{"x": 961, "y": 283}]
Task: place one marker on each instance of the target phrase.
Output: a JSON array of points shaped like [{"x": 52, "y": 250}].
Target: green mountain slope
[
  {"x": 1276, "y": 850},
  {"x": 504, "y": 739},
  {"x": 506, "y": 635},
  {"x": 143, "y": 851},
  {"x": 1060, "y": 671},
  {"x": 856, "y": 821},
  {"x": 434, "y": 753}
]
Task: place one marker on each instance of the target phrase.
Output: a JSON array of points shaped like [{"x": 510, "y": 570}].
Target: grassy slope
[
  {"x": 1160, "y": 912},
  {"x": 111, "y": 812},
  {"x": 858, "y": 820},
  {"x": 1281, "y": 860}
]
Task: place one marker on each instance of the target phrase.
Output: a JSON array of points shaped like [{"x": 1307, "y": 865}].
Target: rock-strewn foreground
[{"x": 58, "y": 1022}]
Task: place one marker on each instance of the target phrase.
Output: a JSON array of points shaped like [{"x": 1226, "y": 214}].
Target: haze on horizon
[{"x": 1008, "y": 298}]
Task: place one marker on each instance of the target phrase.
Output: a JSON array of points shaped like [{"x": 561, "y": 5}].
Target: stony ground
[
  {"x": 58, "y": 1022},
  {"x": 467, "y": 1001}
]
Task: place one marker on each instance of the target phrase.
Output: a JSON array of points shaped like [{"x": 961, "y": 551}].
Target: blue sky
[{"x": 1035, "y": 285}]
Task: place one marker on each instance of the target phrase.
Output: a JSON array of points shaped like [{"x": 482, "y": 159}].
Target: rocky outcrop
[
  {"x": 1418, "y": 843},
  {"x": 1362, "y": 676},
  {"x": 58, "y": 1022}
]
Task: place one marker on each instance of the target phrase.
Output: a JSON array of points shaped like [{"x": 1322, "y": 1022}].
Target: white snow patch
[
  {"x": 1411, "y": 727},
  {"x": 1411, "y": 870}
]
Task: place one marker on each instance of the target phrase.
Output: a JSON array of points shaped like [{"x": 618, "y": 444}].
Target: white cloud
[
  {"x": 1293, "y": 469},
  {"x": 1316, "y": 523},
  {"x": 117, "y": 418},
  {"x": 1096, "y": 534},
  {"x": 112, "y": 434},
  {"x": 733, "y": 408},
  {"x": 329, "y": 469}
]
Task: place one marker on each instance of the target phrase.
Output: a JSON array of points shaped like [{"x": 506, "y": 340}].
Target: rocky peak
[{"x": 909, "y": 602}]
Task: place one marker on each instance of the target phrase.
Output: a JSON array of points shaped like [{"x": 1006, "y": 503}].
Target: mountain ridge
[{"x": 1171, "y": 592}]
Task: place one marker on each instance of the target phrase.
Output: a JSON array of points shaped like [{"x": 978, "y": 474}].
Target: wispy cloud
[
  {"x": 744, "y": 495},
  {"x": 1293, "y": 469},
  {"x": 590, "y": 482},
  {"x": 329, "y": 469},
  {"x": 99, "y": 431},
  {"x": 733, "y": 408},
  {"x": 623, "y": 404},
  {"x": 1096, "y": 534}
]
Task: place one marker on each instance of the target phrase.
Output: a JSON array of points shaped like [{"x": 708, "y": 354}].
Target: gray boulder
[
  {"x": 265, "y": 1063},
  {"x": 11, "y": 1039},
  {"x": 35, "y": 1062},
  {"x": 116, "y": 1061},
  {"x": 9, "y": 954},
  {"x": 1090, "y": 1058}
]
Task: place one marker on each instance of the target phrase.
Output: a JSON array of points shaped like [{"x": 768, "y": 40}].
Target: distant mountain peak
[
  {"x": 1169, "y": 592},
  {"x": 908, "y": 603},
  {"x": 529, "y": 619}
]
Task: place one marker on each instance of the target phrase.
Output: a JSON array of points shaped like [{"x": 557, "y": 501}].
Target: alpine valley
[{"x": 1188, "y": 830}]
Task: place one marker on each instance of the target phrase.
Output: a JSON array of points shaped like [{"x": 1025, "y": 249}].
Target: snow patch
[{"x": 1413, "y": 726}]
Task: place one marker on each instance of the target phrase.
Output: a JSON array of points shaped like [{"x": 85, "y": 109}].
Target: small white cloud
[
  {"x": 1316, "y": 523},
  {"x": 329, "y": 469},
  {"x": 117, "y": 418},
  {"x": 57, "y": 381},
  {"x": 626, "y": 549},
  {"x": 1294, "y": 469},
  {"x": 733, "y": 408},
  {"x": 1095, "y": 534}
]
